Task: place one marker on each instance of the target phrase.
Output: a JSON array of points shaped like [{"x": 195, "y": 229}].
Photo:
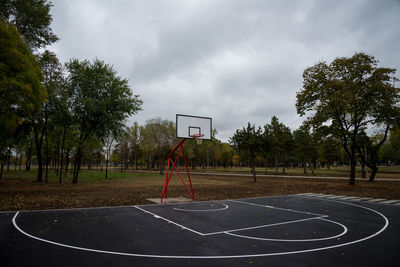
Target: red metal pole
[
  {"x": 165, "y": 180},
  {"x": 180, "y": 145},
  {"x": 187, "y": 171},
  {"x": 169, "y": 171}
]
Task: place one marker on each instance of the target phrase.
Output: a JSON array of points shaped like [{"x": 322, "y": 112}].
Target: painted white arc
[{"x": 224, "y": 208}]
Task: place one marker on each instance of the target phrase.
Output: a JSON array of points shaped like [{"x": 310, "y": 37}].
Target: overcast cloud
[{"x": 234, "y": 61}]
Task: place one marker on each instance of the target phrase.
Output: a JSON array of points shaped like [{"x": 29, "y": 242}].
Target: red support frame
[{"x": 169, "y": 172}]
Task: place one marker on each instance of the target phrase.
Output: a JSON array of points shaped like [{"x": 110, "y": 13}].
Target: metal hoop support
[{"x": 169, "y": 172}]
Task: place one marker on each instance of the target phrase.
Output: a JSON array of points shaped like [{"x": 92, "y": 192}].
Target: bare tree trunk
[
  {"x": 8, "y": 158},
  {"x": 161, "y": 166},
  {"x": 352, "y": 180},
  {"x": 67, "y": 161},
  {"x": 47, "y": 157},
  {"x": 253, "y": 169},
  {"x": 108, "y": 157},
  {"x": 363, "y": 173},
  {"x": 77, "y": 164},
  {"x": 1, "y": 168},
  {"x": 62, "y": 154},
  {"x": 38, "y": 143},
  {"x": 107, "y": 167},
  {"x": 373, "y": 158},
  {"x": 28, "y": 157},
  {"x": 136, "y": 162},
  {"x": 374, "y": 171},
  {"x": 276, "y": 163},
  {"x": 3, "y": 162}
]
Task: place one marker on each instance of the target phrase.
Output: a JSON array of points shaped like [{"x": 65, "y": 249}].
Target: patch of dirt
[{"x": 27, "y": 195}]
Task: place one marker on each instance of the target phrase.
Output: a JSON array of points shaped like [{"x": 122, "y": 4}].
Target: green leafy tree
[
  {"x": 306, "y": 148},
  {"x": 42, "y": 120},
  {"x": 226, "y": 154},
  {"x": 370, "y": 156},
  {"x": 134, "y": 137},
  {"x": 21, "y": 91},
  {"x": 162, "y": 133},
  {"x": 32, "y": 19},
  {"x": 394, "y": 140},
  {"x": 148, "y": 146},
  {"x": 330, "y": 150},
  {"x": 248, "y": 140},
  {"x": 101, "y": 102},
  {"x": 280, "y": 139},
  {"x": 349, "y": 95}
]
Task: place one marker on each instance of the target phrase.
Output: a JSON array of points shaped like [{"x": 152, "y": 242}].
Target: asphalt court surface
[{"x": 286, "y": 230}]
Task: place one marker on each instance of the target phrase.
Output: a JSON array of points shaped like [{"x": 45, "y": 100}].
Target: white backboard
[{"x": 187, "y": 126}]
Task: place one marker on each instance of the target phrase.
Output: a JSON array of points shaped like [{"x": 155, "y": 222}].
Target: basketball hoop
[
  {"x": 187, "y": 127},
  {"x": 198, "y": 139}
]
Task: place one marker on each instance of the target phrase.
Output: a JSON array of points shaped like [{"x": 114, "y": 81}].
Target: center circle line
[
  {"x": 224, "y": 208},
  {"x": 294, "y": 240}
]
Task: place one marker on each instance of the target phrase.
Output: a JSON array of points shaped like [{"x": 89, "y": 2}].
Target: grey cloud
[{"x": 236, "y": 61}]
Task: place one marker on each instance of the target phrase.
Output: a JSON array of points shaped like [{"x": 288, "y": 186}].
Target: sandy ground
[{"x": 29, "y": 195}]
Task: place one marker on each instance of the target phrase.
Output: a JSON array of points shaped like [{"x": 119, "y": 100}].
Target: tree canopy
[
  {"x": 101, "y": 101},
  {"x": 349, "y": 95},
  {"x": 21, "y": 91},
  {"x": 249, "y": 140},
  {"x": 32, "y": 18}
]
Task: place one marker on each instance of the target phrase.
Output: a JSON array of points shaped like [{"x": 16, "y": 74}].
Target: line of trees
[
  {"x": 147, "y": 147},
  {"x": 61, "y": 116},
  {"x": 48, "y": 110},
  {"x": 275, "y": 146},
  {"x": 342, "y": 101}
]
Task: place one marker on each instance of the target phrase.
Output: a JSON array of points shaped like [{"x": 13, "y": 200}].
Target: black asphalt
[{"x": 289, "y": 230}]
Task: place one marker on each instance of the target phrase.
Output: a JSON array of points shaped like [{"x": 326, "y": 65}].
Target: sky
[{"x": 236, "y": 61}]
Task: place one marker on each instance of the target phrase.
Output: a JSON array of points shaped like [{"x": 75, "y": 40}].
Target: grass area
[
  {"x": 84, "y": 176},
  {"x": 114, "y": 174},
  {"x": 383, "y": 171}
]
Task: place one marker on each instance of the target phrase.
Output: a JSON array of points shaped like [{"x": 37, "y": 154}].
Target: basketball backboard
[{"x": 187, "y": 126}]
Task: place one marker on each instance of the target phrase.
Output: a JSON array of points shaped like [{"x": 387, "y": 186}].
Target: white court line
[
  {"x": 263, "y": 226},
  {"x": 214, "y": 257},
  {"x": 169, "y": 221},
  {"x": 224, "y": 208},
  {"x": 296, "y": 240},
  {"x": 70, "y": 209},
  {"x": 267, "y": 206},
  {"x": 240, "y": 229}
]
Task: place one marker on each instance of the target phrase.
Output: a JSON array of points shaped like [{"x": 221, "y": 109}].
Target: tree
[
  {"x": 134, "y": 141},
  {"x": 53, "y": 83},
  {"x": 280, "y": 139},
  {"x": 32, "y": 19},
  {"x": 226, "y": 154},
  {"x": 394, "y": 140},
  {"x": 330, "y": 150},
  {"x": 349, "y": 95},
  {"x": 305, "y": 147},
  {"x": 101, "y": 102},
  {"x": 162, "y": 133},
  {"x": 148, "y": 146},
  {"x": 21, "y": 91},
  {"x": 373, "y": 146},
  {"x": 248, "y": 140}
]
